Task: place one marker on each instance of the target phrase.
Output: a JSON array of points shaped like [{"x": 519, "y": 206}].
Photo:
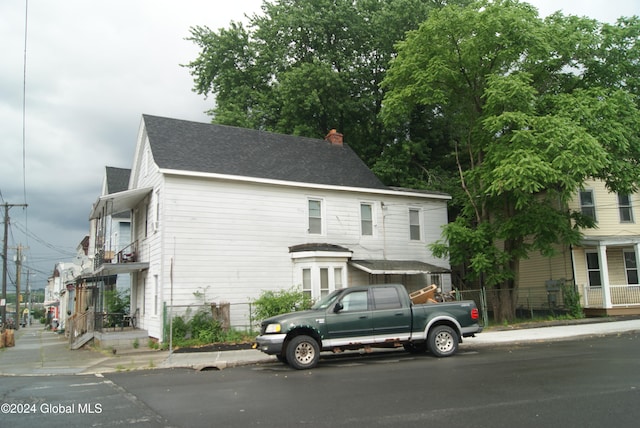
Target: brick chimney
[{"x": 334, "y": 137}]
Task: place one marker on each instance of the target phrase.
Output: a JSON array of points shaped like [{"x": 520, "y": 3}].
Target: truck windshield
[{"x": 326, "y": 300}]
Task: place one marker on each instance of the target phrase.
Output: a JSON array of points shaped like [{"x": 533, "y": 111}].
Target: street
[{"x": 592, "y": 382}]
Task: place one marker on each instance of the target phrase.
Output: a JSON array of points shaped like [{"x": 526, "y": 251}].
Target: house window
[
  {"x": 624, "y": 205},
  {"x": 324, "y": 281},
  {"x": 587, "y": 204},
  {"x": 435, "y": 279},
  {"x": 155, "y": 294},
  {"x": 144, "y": 296},
  {"x": 306, "y": 283},
  {"x": 146, "y": 220},
  {"x": 337, "y": 278},
  {"x": 315, "y": 216},
  {"x": 366, "y": 219},
  {"x": 414, "y": 224},
  {"x": 156, "y": 223},
  {"x": 593, "y": 269},
  {"x": 318, "y": 281},
  {"x": 631, "y": 267}
]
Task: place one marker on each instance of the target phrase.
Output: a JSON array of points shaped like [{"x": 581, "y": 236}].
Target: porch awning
[
  {"x": 396, "y": 267},
  {"x": 610, "y": 241},
  {"x": 119, "y": 202},
  {"x": 118, "y": 268}
]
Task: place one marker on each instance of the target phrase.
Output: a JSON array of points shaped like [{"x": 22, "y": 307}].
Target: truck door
[
  {"x": 351, "y": 322},
  {"x": 391, "y": 320}
]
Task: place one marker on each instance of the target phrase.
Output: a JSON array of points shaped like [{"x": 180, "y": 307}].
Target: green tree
[
  {"x": 304, "y": 67},
  {"x": 531, "y": 108}
]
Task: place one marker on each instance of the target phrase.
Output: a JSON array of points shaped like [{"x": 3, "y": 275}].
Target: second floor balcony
[{"x": 126, "y": 260}]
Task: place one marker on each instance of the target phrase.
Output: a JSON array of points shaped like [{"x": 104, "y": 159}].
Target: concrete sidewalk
[{"x": 41, "y": 352}]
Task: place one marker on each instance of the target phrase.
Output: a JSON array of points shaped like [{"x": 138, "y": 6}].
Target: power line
[
  {"x": 24, "y": 105},
  {"x": 43, "y": 242}
]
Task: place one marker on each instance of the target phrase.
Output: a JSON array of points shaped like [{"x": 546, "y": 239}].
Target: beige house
[{"x": 604, "y": 267}]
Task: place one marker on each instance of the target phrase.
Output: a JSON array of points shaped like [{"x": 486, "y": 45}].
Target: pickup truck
[{"x": 369, "y": 316}]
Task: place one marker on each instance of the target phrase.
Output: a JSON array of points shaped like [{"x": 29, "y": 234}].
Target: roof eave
[{"x": 246, "y": 179}]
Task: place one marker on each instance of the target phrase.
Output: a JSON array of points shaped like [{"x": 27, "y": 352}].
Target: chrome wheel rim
[
  {"x": 305, "y": 353},
  {"x": 444, "y": 342}
]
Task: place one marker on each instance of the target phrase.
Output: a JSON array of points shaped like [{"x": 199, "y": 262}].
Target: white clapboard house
[{"x": 221, "y": 214}]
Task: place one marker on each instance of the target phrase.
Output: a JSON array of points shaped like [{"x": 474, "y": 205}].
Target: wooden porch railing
[
  {"x": 79, "y": 324},
  {"x": 621, "y": 295}
]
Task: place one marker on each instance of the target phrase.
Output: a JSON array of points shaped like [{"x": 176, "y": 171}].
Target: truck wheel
[
  {"x": 443, "y": 341},
  {"x": 303, "y": 352}
]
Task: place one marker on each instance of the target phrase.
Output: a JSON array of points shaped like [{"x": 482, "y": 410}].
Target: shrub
[
  {"x": 201, "y": 329},
  {"x": 271, "y": 303},
  {"x": 571, "y": 299}
]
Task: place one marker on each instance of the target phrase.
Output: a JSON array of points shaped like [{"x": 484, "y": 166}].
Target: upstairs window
[
  {"x": 587, "y": 204},
  {"x": 366, "y": 219},
  {"x": 315, "y": 216},
  {"x": 624, "y": 205},
  {"x": 414, "y": 224}
]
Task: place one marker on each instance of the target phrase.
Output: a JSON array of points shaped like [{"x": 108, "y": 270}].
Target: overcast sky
[{"x": 92, "y": 69}]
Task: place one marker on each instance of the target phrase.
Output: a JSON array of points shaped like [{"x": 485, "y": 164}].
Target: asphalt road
[{"x": 593, "y": 382}]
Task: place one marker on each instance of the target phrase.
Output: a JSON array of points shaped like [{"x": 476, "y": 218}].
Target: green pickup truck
[{"x": 367, "y": 317}]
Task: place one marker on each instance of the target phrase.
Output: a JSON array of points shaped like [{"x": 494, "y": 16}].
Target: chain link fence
[
  {"x": 530, "y": 302},
  {"x": 230, "y": 316}
]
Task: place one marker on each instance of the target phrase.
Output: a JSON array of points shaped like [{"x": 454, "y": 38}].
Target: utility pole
[
  {"x": 18, "y": 278},
  {"x": 3, "y": 306},
  {"x": 29, "y": 304}
]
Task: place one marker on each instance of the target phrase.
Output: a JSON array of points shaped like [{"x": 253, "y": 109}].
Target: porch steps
[{"x": 82, "y": 340}]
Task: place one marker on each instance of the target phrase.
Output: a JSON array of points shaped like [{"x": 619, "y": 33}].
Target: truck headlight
[{"x": 273, "y": 328}]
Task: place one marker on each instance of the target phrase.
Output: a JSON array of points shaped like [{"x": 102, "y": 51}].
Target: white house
[{"x": 222, "y": 213}]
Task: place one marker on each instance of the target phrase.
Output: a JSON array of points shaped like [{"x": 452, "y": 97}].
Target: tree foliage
[
  {"x": 272, "y": 303},
  {"x": 531, "y": 108},
  {"x": 508, "y": 112},
  {"x": 304, "y": 67}
]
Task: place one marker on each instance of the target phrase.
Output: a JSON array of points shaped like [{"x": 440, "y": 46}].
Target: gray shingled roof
[
  {"x": 117, "y": 179},
  {"x": 201, "y": 147}
]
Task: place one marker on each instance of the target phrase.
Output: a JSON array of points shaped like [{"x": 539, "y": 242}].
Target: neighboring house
[
  {"x": 604, "y": 267},
  {"x": 112, "y": 231},
  {"x": 221, "y": 214},
  {"x": 60, "y": 290}
]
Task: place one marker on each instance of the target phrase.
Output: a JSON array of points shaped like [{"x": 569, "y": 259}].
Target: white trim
[
  {"x": 321, "y": 255},
  {"x": 303, "y": 185}
]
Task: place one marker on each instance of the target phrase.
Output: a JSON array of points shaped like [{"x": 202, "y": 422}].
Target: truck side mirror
[{"x": 338, "y": 307}]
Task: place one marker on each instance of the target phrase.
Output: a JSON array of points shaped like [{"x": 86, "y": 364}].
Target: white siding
[{"x": 231, "y": 240}]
